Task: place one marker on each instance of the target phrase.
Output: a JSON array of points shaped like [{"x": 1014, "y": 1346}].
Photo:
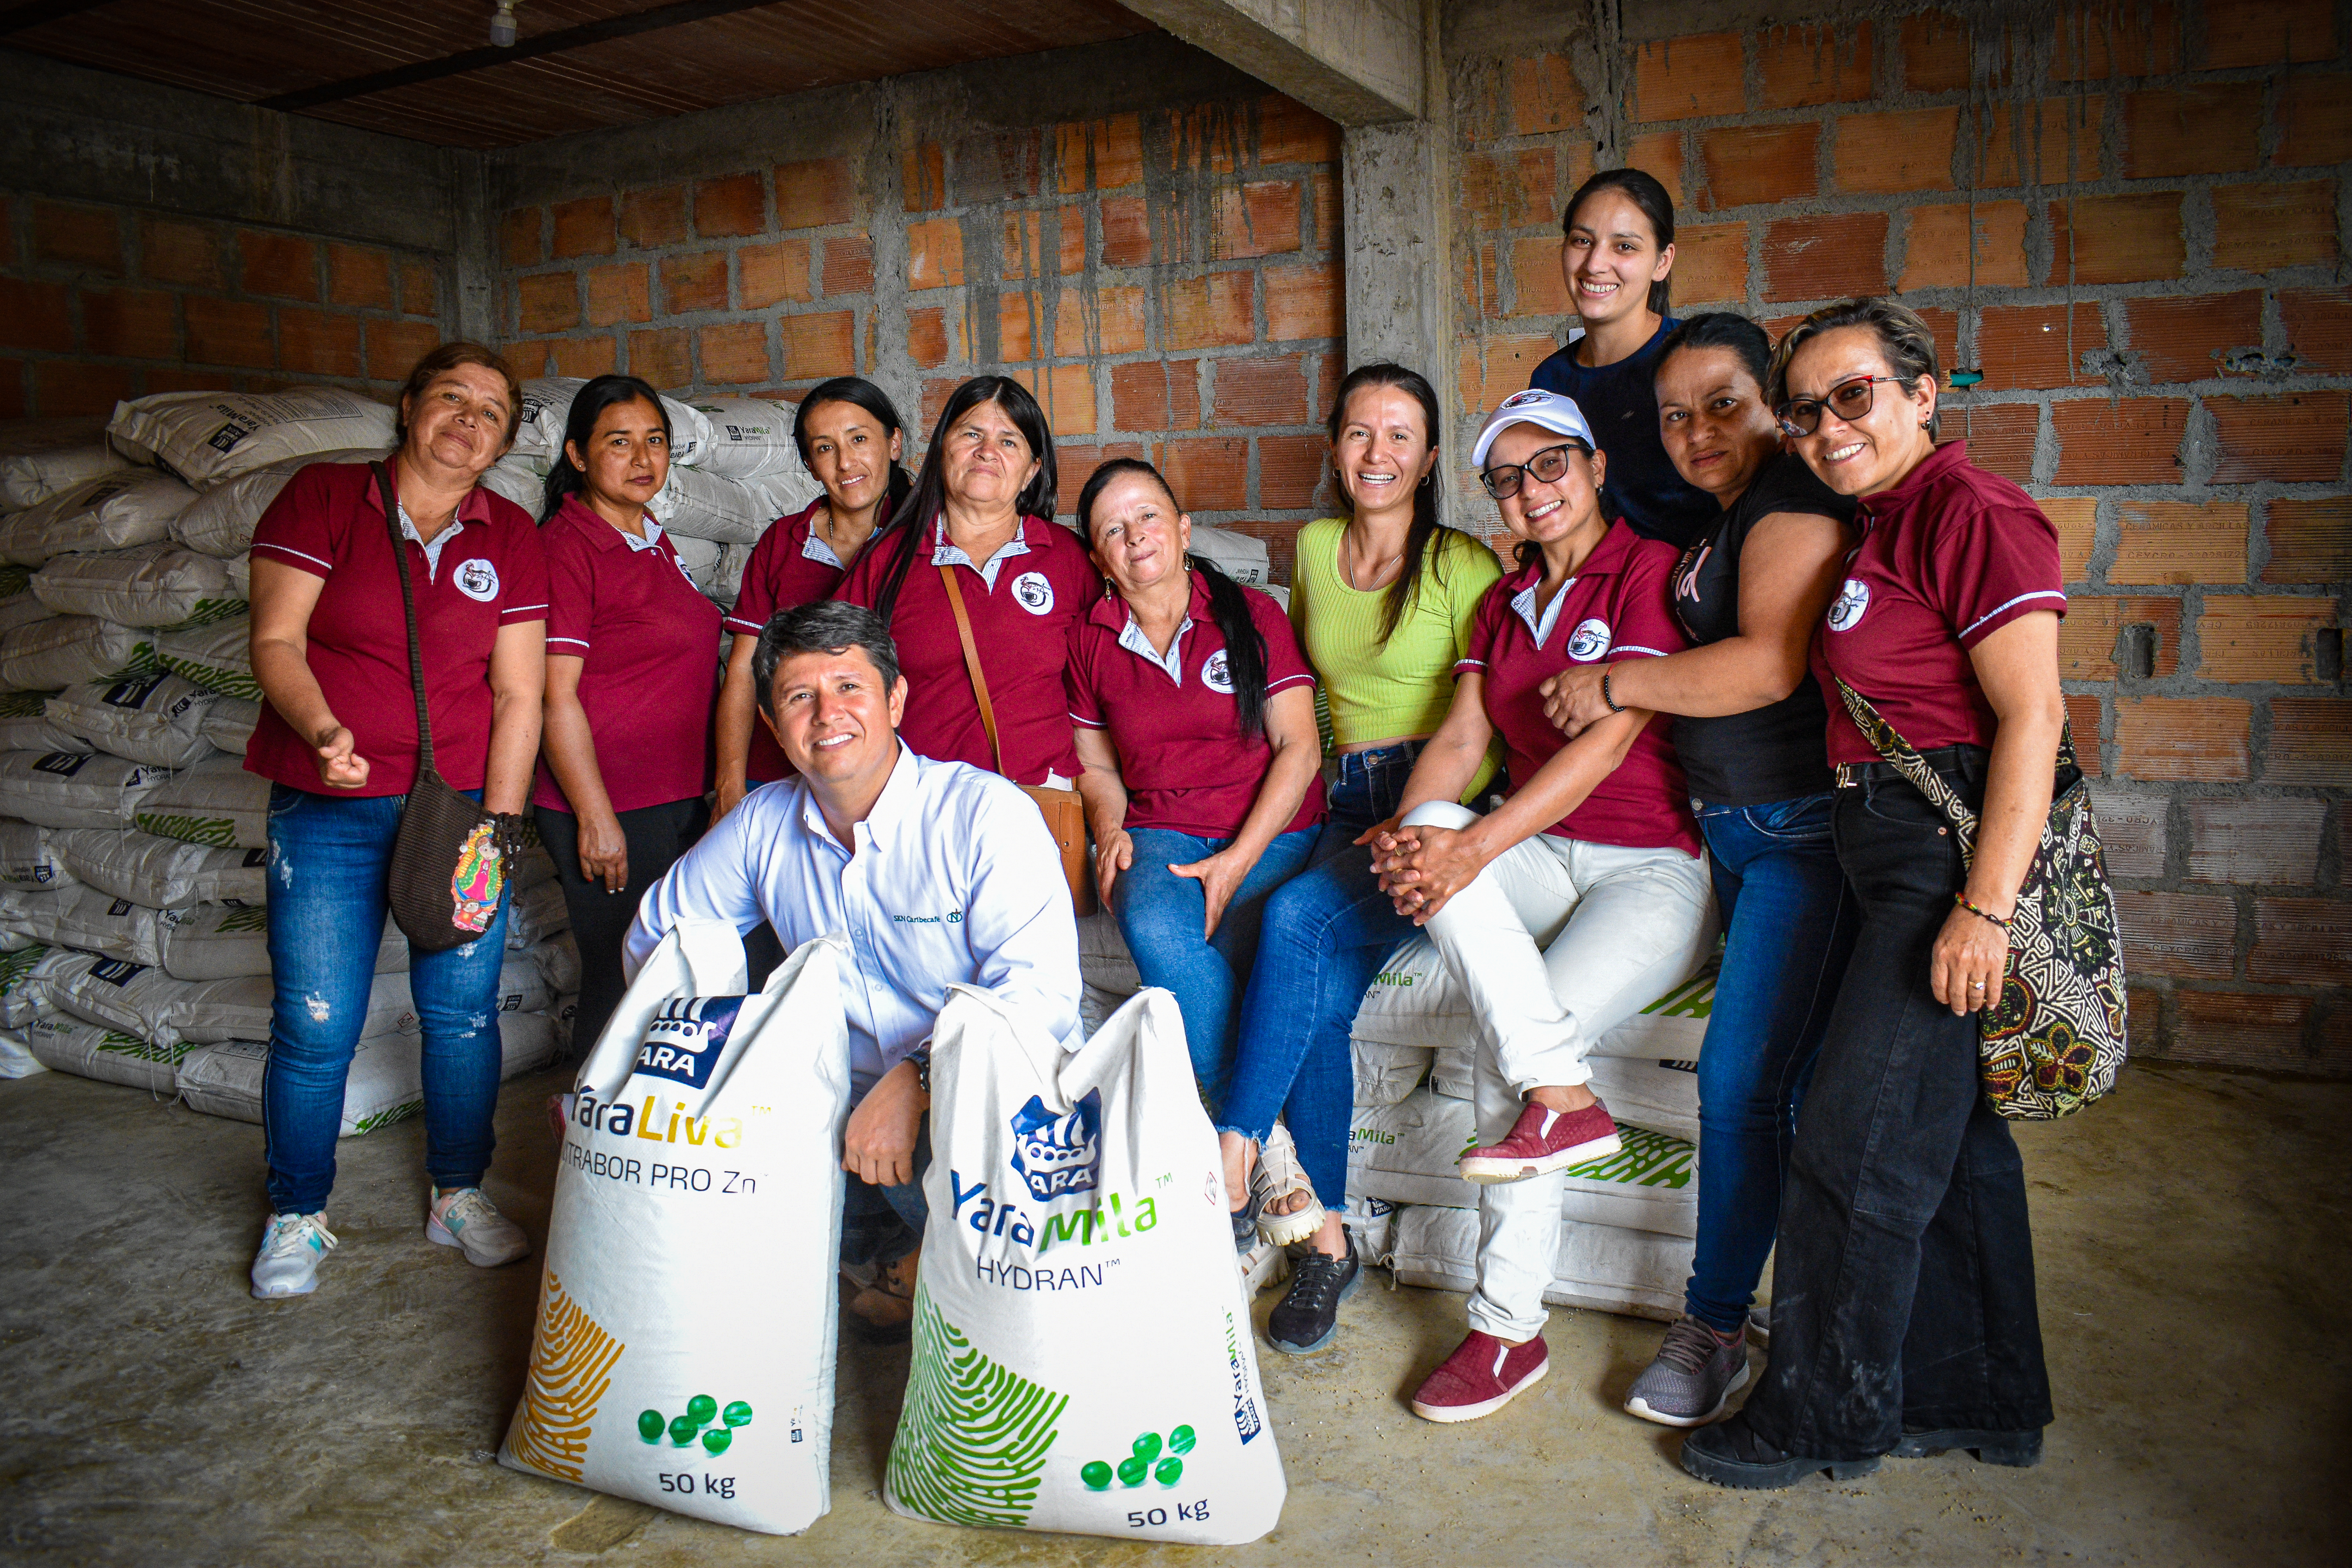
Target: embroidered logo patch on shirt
[
  {"x": 1852, "y": 600},
  {"x": 1035, "y": 593},
  {"x": 1216, "y": 674},
  {"x": 478, "y": 580},
  {"x": 1590, "y": 640}
]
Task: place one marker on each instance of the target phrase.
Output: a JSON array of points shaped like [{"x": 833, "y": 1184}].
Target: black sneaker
[
  {"x": 1730, "y": 1454},
  {"x": 2019, "y": 1450},
  {"x": 1309, "y": 1314}
]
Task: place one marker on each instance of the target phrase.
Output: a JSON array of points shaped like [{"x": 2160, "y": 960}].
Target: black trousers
[
  {"x": 656, "y": 836},
  {"x": 1902, "y": 1285}
]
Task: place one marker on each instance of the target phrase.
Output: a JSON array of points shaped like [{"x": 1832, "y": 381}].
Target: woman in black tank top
[{"x": 1749, "y": 725}]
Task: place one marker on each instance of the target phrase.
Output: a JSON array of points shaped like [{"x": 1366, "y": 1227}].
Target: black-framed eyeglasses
[
  {"x": 1547, "y": 465},
  {"x": 1850, "y": 399}
]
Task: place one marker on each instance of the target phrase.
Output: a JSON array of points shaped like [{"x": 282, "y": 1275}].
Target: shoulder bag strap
[
  {"x": 972, "y": 666},
  {"x": 407, "y": 603},
  {"x": 1891, "y": 746}
]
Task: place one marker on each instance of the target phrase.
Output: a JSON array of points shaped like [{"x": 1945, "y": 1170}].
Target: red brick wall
[
  {"x": 1169, "y": 282},
  {"x": 2161, "y": 317},
  {"x": 100, "y": 302}
]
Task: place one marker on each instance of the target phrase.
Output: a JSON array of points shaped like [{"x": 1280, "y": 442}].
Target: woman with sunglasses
[
  {"x": 1904, "y": 1319},
  {"x": 1383, "y": 600},
  {"x": 1749, "y": 593},
  {"x": 1617, "y": 256},
  {"x": 1580, "y": 899}
]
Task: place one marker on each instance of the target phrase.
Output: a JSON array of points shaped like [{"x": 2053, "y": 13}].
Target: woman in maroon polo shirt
[
  {"x": 979, "y": 510},
  {"x": 625, "y": 759},
  {"x": 1575, "y": 903},
  {"x": 338, "y": 739},
  {"x": 1196, "y": 726},
  {"x": 849, "y": 435},
  {"x": 1903, "y": 1317}
]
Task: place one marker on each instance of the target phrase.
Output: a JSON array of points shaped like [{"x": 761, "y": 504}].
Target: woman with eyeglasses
[
  {"x": 1903, "y": 1318},
  {"x": 1747, "y": 593},
  {"x": 1383, "y": 600},
  {"x": 1617, "y": 256},
  {"x": 1578, "y": 901}
]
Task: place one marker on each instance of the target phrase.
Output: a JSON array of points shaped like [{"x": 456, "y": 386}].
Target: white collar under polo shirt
[{"x": 953, "y": 881}]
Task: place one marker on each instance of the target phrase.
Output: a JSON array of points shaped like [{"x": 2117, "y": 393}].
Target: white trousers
[{"x": 1555, "y": 943}]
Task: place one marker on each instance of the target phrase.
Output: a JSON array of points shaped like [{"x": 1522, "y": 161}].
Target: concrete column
[{"x": 1396, "y": 223}]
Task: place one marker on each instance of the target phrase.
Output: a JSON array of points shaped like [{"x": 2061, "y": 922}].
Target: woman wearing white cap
[{"x": 1578, "y": 901}]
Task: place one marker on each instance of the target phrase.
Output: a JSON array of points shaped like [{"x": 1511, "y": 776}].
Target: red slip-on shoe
[
  {"x": 1543, "y": 1141},
  {"x": 1480, "y": 1377}
]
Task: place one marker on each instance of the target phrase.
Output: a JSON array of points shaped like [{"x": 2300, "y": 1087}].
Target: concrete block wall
[
  {"x": 1167, "y": 279},
  {"x": 2158, "y": 194}
]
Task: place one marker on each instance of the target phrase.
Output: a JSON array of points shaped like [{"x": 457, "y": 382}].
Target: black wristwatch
[{"x": 922, "y": 1060}]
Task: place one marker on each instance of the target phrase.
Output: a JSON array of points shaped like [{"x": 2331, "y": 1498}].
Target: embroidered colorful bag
[{"x": 2055, "y": 1040}]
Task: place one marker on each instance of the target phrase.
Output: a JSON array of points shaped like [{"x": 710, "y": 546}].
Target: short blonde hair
[
  {"x": 1904, "y": 341},
  {"x": 448, "y": 357}
]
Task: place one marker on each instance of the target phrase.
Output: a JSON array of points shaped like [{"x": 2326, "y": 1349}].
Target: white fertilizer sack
[
  {"x": 699, "y": 504},
  {"x": 536, "y": 913},
  {"x": 222, "y": 520},
  {"x": 41, "y": 466},
  {"x": 1634, "y": 1273},
  {"x": 21, "y": 606},
  {"x": 751, "y": 437},
  {"x": 240, "y": 576},
  {"x": 65, "y": 650},
  {"x": 725, "y": 583},
  {"x": 229, "y": 721},
  {"x": 210, "y": 437},
  {"x": 33, "y": 732},
  {"x": 546, "y": 408},
  {"x": 684, "y": 1351},
  {"x": 74, "y": 789},
  {"x": 1071, "y": 1193},
  {"x": 1238, "y": 555},
  {"x": 1385, "y": 1074},
  {"x": 211, "y": 1011},
  {"x": 517, "y": 482},
  {"x": 129, "y": 507},
  {"x": 222, "y": 941},
  {"x": 148, "y": 585},
  {"x": 84, "y": 917},
  {"x": 23, "y": 997},
  {"x": 216, "y": 802},
  {"x": 1413, "y": 1001},
  {"x": 157, "y": 718},
  {"x": 558, "y": 959},
  {"x": 218, "y": 657},
  {"x": 115, "y": 994},
  {"x": 162, "y": 873},
  {"x": 699, "y": 557},
  {"x": 16, "y": 1057},
  {"x": 1410, "y": 1153},
  {"x": 30, "y": 857},
  {"x": 1660, "y": 1096},
  {"x": 386, "y": 1084},
  {"x": 65, "y": 1044},
  {"x": 1103, "y": 957}
]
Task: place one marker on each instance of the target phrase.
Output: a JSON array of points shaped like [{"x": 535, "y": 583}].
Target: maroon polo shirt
[
  {"x": 1021, "y": 625},
  {"x": 1617, "y": 606},
  {"x": 648, "y": 639},
  {"x": 1178, "y": 731},
  {"x": 492, "y": 573},
  {"x": 792, "y": 565},
  {"x": 1948, "y": 557}
]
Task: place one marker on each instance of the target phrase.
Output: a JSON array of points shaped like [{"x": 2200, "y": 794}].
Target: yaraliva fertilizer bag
[
  {"x": 685, "y": 1348},
  {"x": 30, "y": 859},
  {"x": 215, "y": 802},
  {"x": 210, "y": 437},
  {"x": 1083, "y": 1354},
  {"x": 217, "y": 657},
  {"x": 42, "y": 656},
  {"x": 157, "y": 718}
]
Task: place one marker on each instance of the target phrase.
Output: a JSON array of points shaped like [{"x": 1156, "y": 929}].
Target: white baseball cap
[{"x": 1548, "y": 410}]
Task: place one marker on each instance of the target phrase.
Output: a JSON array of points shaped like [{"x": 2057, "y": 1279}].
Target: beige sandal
[{"x": 1277, "y": 1176}]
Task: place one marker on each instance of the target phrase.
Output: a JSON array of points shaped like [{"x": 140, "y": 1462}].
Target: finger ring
[{"x": 1975, "y": 986}]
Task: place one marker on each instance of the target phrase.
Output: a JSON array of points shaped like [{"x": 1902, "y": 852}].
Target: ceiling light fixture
[{"x": 502, "y": 23}]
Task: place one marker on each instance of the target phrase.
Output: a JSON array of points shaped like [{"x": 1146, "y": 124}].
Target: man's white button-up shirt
[{"x": 953, "y": 879}]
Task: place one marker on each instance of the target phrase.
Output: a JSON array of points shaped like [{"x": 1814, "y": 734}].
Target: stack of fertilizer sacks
[
  {"x": 134, "y": 845},
  {"x": 1626, "y": 1222}
]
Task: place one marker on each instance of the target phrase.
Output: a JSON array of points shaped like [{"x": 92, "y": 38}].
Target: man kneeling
[{"x": 938, "y": 873}]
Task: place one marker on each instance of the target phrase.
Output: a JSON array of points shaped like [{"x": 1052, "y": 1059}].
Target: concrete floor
[{"x": 2194, "y": 1234}]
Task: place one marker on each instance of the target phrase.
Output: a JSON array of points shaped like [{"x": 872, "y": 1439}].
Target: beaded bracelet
[
  {"x": 1979, "y": 911},
  {"x": 1608, "y": 701}
]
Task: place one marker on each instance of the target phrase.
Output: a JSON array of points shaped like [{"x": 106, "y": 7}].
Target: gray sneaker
[
  {"x": 1693, "y": 1374},
  {"x": 288, "y": 1263}
]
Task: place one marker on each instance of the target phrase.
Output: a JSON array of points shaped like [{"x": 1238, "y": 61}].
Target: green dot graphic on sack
[
  {"x": 716, "y": 1439},
  {"x": 681, "y": 1430},
  {"x": 1169, "y": 1471},
  {"x": 1180, "y": 1440},
  {"x": 1146, "y": 1448},
  {"x": 738, "y": 1415},
  {"x": 702, "y": 1410},
  {"x": 1096, "y": 1474},
  {"x": 1131, "y": 1471},
  {"x": 650, "y": 1425}
]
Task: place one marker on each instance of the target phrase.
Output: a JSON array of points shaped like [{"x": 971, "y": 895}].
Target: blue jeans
[
  {"x": 1791, "y": 923},
  {"x": 1162, "y": 915},
  {"x": 883, "y": 1224},
  {"x": 1325, "y": 935},
  {"x": 329, "y": 860}
]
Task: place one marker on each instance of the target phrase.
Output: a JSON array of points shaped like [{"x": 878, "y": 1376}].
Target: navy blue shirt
[{"x": 1621, "y": 405}]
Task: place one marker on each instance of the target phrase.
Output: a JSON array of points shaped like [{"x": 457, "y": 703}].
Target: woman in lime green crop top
[{"x": 1382, "y": 600}]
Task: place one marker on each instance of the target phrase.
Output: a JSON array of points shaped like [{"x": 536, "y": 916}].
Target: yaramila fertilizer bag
[
  {"x": 25, "y": 725},
  {"x": 65, "y": 1044},
  {"x": 221, "y": 522},
  {"x": 210, "y": 437},
  {"x": 30, "y": 857},
  {"x": 74, "y": 789},
  {"x": 751, "y": 437},
  {"x": 1083, "y": 1354},
  {"x": 685, "y": 1348},
  {"x": 152, "y": 586},
  {"x": 229, "y": 723},
  {"x": 134, "y": 505},
  {"x": 42, "y": 461},
  {"x": 157, "y": 718},
  {"x": 161, "y": 873},
  {"x": 218, "y": 656},
  {"x": 215, "y": 802},
  {"x": 42, "y": 656}
]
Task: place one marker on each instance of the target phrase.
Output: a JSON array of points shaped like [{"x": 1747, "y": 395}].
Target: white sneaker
[
  {"x": 464, "y": 1218},
  {"x": 288, "y": 1263}
]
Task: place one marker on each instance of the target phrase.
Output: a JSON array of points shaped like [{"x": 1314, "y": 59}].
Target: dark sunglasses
[
  {"x": 1547, "y": 465},
  {"x": 1850, "y": 399}
]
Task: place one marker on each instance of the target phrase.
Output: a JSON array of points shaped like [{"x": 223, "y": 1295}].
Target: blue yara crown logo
[
  {"x": 1059, "y": 1156},
  {"x": 684, "y": 1039}
]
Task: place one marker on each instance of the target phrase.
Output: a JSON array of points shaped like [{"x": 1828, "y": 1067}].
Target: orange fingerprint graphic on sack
[
  {"x": 479, "y": 877},
  {"x": 571, "y": 1367}
]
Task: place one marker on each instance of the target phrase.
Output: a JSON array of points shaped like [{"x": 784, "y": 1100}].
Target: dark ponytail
[
  {"x": 563, "y": 480},
  {"x": 929, "y": 495},
  {"x": 1228, "y": 601},
  {"x": 1645, "y": 192},
  {"x": 865, "y": 395},
  {"x": 1426, "y": 527}
]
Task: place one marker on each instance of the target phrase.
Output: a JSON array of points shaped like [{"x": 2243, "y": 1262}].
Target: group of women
[{"x": 1569, "y": 774}]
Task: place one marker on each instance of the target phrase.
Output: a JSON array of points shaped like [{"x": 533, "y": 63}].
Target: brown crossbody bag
[{"x": 1064, "y": 814}]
